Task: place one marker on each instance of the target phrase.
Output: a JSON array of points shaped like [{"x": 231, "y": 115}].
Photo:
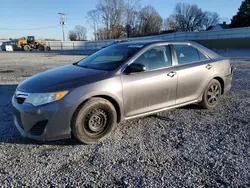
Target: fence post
[{"x": 61, "y": 46}]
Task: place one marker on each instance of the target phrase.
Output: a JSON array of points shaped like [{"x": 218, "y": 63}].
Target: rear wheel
[
  {"x": 26, "y": 48},
  {"x": 211, "y": 95},
  {"x": 94, "y": 121}
]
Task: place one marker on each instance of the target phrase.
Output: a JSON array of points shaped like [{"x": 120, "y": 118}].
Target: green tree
[{"x": 242, "y": 18}]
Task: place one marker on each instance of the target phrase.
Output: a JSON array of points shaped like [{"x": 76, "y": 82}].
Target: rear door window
[{"x": 188, "y": 54}]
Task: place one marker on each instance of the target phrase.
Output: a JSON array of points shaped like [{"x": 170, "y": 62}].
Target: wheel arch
[
  {"x": 109, "y": 98},
  {"x": 219, "y": 79}
]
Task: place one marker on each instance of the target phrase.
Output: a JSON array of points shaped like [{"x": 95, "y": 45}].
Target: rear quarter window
[
  {"x": 203, "y": 57},
  {"x": 188, "y": 54}
]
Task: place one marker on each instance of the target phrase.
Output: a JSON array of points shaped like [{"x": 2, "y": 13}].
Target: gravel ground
[{"x": 185, "y": 147}]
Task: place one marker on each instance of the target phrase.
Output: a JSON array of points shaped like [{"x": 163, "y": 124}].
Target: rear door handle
[
  {"x": 209, "y": 66},
  {"x": 171, "y": 74}
]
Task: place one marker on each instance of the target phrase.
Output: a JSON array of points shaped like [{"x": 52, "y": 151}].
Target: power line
[{"x": 31, "y": 28}]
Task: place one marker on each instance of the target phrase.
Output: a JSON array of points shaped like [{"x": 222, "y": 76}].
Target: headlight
[{"x": 43, "y": 98}]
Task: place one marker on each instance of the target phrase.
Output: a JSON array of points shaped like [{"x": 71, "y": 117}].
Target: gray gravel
[{"x": 186, "y": 147}]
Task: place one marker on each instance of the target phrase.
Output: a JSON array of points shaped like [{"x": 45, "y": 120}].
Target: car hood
[{"x": 59, "y": 79}]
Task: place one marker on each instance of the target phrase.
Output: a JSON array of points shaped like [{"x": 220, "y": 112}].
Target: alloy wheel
[{"x": 213, "y": 94}]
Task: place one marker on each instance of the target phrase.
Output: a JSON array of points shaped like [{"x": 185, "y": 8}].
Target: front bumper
[{"x": 46, "y": 122}]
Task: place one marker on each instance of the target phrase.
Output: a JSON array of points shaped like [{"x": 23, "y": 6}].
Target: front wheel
[
  {"x": 211, "y": 95},
  {"x": 26, "y": 48},
  {"x": 94, "y": 121},
  {"x": 41, "y": 48}
]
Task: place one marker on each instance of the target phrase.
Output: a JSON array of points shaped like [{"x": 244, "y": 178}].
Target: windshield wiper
[
  {"x": 84, "y": 66},
  {"x": 87, "y": 67}
]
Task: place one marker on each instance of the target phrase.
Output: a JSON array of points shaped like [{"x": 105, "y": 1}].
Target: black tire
[
  {"x": 48, "y": 48},
  {"x": 211, "y": 95},
  {"x": 26, "y": 48},
  {"x": 41, "y": 48},
  {"x": 94, "y": 121}
]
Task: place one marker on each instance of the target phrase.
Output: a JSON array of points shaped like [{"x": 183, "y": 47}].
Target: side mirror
[{"x": 134, "y": 67}]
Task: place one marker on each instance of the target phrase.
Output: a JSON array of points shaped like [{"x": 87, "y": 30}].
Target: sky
[{"x": 20, "y": 15}]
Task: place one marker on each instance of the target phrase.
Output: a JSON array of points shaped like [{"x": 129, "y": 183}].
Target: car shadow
[
  {"x": 165, "y": 118},
  {"x": 191, "y": 106},
  {"x": 9, "y": 133},
  {"x": 160, "y": 117}
]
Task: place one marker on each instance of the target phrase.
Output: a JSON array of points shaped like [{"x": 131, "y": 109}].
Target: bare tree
[
  {"x": 101, "y": 34},
  {"x": 165, "y": 25},
  {"x": 94, "y": 18},
  {"x": 120, "y": 18},
  {"x": 72, "y": 36},
  {"x": 150, "y": 22},
  {"x": 78, "y": 33},
  {"x": 81, "y": 32},
  {"x": 130, "y": 15},
  {"x": 186, "y": 17},
  {"x": 210, "y": 19},
  {"x": 165, "y": 28},
  {"x": 111, "y": 12}
]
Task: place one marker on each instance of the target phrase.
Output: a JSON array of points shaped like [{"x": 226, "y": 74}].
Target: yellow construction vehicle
[{"x": 30, "y": 44}]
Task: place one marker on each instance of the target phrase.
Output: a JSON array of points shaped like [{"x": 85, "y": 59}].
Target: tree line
[{"x": 114, "y": 19}]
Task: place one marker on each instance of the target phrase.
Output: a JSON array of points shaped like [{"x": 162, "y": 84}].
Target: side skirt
[{"x": 162, "y": 109}]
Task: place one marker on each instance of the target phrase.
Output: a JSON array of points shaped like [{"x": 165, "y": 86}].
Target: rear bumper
[
  {"x": 228, "y": 82},
  {"x": 47, "y": 122}
]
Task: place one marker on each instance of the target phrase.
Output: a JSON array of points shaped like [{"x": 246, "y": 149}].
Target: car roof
[
  {"x": 144, "y": 43},
  {"x": 149, "y": 42}
]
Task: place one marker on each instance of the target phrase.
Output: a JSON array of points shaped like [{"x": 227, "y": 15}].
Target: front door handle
[
  {"x": 171, "y": 74},
  {"x": 209, "y": 66}
]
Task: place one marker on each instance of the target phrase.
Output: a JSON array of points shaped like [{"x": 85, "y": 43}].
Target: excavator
[{"x": 30, "y": 44}]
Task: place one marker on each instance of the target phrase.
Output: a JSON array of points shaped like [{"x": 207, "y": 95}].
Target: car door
[
  {"x": 14, "y": 45},
  {"x": 152, "y": 89},
  {"x": 194, "y": 70}
]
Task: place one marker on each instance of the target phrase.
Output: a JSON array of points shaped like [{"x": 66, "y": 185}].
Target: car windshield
[{"x": 110, "y": 57}]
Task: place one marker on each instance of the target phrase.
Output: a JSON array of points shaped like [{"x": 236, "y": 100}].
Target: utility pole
[{"x": 62, "y": 22}]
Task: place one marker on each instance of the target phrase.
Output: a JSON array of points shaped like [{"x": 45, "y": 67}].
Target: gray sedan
[{"x": 123, "y": 81}]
